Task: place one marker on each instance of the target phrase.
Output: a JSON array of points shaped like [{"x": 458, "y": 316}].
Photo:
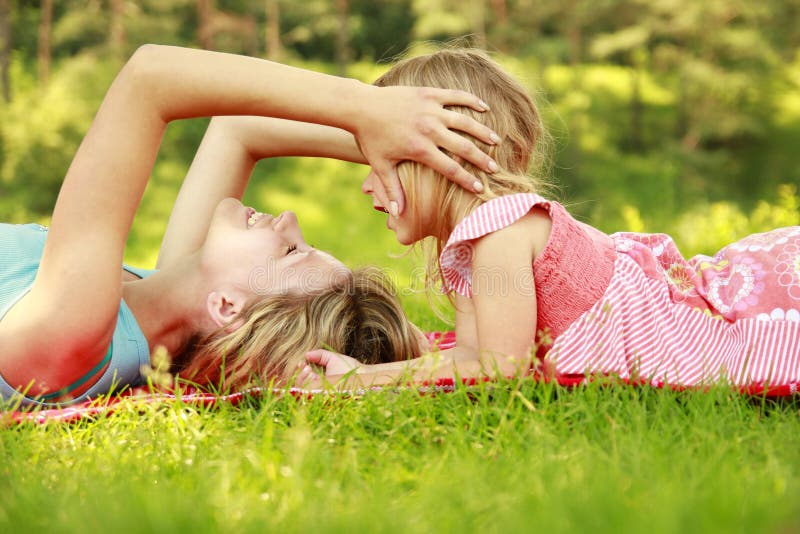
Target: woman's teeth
[{"x": 254, "y": 218}]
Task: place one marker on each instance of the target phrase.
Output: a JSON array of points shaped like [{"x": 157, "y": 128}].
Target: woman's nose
[
  {"x": 286, "y": 221},
  {"x": 288, "y": 226}
]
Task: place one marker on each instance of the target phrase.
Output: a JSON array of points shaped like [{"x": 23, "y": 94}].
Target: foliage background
[
  {"x": 681, "y": 116},
  {"x": 676, "y": 116}
]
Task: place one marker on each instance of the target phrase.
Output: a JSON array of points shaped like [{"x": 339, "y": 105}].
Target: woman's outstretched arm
[{"x": 64, "y": 325}]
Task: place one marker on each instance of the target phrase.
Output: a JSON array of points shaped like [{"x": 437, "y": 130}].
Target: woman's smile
[{"x": 254, "y": 216}]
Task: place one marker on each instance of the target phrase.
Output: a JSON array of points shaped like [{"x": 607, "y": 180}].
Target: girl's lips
[{"x": 380, "y": 208}]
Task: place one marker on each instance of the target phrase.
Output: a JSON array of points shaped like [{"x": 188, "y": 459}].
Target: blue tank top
[{"x": 21, "y": 249}]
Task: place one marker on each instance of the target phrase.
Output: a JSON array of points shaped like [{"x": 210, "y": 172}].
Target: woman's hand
[
  {"x": 337, "y": 367},
  {"x": 411, "y": 123}
]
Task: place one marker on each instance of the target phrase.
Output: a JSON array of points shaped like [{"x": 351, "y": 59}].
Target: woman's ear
[{"x": 224, "y": 310}]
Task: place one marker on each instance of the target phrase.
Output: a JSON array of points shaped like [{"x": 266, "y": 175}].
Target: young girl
[
  {"x": 528, "y": 279},
  {"x": 238, "y": 293}
]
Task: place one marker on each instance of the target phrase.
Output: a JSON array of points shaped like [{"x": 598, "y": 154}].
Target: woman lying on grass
[
  {"x": 238, "y": 295},
  {"x": 516, "y": 264}
]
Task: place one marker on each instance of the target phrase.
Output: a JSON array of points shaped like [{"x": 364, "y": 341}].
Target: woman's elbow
[
  {"x": 142, "y": 61},
  {"x": 141, "y": 80},
  {"x": 147, "y": 65}
]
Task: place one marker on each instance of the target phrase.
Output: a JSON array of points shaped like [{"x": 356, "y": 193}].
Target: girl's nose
[{"x": 366, "y": 185}]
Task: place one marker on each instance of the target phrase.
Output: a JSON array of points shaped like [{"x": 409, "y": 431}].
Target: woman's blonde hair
[
  {"x": 524, "y": 154},
  {"x": 359, "y": 315}
]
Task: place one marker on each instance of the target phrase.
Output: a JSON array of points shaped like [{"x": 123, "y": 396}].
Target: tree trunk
[
  {"x": 575, "y": 39},
  {"x": 501, "y": 22},
  {"x": 574, "y": 33},
  {"x": 273, "y": 30},
  {"x": 5, "y": 48},
  {"x": 500, "y": 12},
  {"x": 342, "y": 37},
  {"x": 682, "y": 113},
  {"x": 637, "y": 109},
  {"x": 116, "y": 31},
  {"x": 205, "y": 30},
  {"x": 43, "y": 45},
  {"x": 250, "y": 33},
  {"x": 478, "y": 22}
]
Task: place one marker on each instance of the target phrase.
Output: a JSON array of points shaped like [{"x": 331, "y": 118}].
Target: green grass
[
  {"x": 518, "y": 457},
  {"x": 515, "y": 457}
]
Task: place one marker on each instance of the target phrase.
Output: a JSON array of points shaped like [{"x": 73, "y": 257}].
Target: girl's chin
[
  {"x": 402, "y": 233},
  {"x": 404, "y": 239}
]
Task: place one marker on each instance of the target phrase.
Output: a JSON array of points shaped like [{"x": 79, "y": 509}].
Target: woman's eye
[{"x": 290, "y": 249}]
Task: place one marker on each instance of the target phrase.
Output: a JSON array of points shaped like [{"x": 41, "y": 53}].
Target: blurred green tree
[{"x": 5, "y": 48}]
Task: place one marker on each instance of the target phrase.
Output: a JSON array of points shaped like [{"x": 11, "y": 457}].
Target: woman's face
[{"x": 262, "y": 254}]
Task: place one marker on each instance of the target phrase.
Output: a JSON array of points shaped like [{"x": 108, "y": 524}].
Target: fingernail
[
  {"x": 477, "y": 186},
  {"x": 394, "y": 209},
  {"x": 493, "y": 166},
  {"x": 484, "y": 105},
  {"x": 494, "y": 138}
]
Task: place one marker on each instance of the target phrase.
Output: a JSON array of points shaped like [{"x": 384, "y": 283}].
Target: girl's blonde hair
[
  {"x": 523, "y": 155},
  {"x": 359, "y": 315}
]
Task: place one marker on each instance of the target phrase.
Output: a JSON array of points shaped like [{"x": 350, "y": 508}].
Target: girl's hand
[
  {"x": 411, "y": 123},
  {"x": 337, "y": 366}
]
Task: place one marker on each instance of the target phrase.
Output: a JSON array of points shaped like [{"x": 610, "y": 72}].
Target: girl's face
[
  {"x": 411, "y": 225},
  {"x": 262, "y": 254}
]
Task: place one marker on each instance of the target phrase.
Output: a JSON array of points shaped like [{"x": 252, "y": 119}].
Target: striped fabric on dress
[{"x": 630, "y": 305}]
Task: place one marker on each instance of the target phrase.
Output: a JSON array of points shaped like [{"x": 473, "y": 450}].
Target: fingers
[
  {"x": 394, "y": 191},
  {"x": 318, "y": 356},
  {"x": 458, "y": 121},
  {"x": 327, "y": 359},
  {"x": 460, "y": 146},
  {"x": 305, "y": 377},
  {"x": 467, "y": 150},
  {"x": 454, "y": 172},
  {"x": 455, "y": 97}
]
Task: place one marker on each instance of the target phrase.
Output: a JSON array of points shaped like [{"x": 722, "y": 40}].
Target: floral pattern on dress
[
  {"x": 765, "y": 242},
  {"x": 683, "y": 281},
  {"x": 708, "y": 313},
  {"x": 641, "y": 254},
  {"x": 779, "y": 314},
  {"x": 658, "y": 244},
  {"x": 787, "y": 267},
  {"x": 737, "y": 286}
]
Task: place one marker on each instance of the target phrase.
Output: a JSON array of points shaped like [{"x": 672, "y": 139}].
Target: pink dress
[{"x": 630, "y": 305}]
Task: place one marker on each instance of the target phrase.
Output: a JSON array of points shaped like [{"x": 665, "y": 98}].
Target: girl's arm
[
  {"x": 64, "y": 325},
  {"x": 500, "y": 319},
  {"x": 466, "y": 329},
  {"x": 224, "y": 163},
  {"x": 344, "y": 371}
]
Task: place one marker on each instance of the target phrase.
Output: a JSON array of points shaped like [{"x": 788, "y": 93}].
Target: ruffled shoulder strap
[{"x": 455, "y": 260}]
